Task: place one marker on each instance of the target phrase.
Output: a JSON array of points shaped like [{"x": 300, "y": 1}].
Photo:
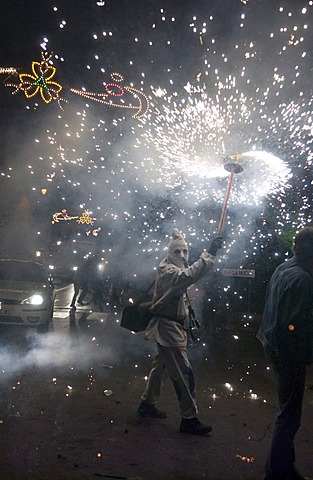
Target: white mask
[{"x": 178, "y": 250}]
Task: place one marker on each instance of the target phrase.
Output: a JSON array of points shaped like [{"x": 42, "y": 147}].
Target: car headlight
[{"x": 34, "y": 300}]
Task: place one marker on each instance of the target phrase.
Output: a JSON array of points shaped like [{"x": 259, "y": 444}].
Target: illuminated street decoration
[
  {"x": 63, "y": 215},
  {"x": 8, "y": 70},
  {"x": 84, "y": 218},
  {"x": 245, "y": 459},
  {"x": 39, "y": 82},
  {"x": 95, "y": 232},
  {"x": 114, "y": 90}
]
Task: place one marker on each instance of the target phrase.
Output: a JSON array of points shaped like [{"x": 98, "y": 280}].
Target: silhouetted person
[
  {"x": 97, "y": 285},
  {"x": 82, "y": 280},
  {"x": 286, "y": 333}
]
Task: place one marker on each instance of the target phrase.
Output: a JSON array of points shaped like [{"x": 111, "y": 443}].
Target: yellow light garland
[{"x": 39, "y": 82}]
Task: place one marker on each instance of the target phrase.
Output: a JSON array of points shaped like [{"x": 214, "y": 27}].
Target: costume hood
[{"x": 177, "y": 242}]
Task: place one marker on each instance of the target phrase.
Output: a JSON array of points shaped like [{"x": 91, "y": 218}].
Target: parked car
[{"x": 27, "y": 294}]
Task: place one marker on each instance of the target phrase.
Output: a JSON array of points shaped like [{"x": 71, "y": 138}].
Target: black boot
[
  {"x": 150, "y": 411},
  {"x": 194, "y": 427}
]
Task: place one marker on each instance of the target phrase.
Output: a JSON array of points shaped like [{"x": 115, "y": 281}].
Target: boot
[
  {"x": 150, "y": 411},
  {"x": 194, "y": 427}
]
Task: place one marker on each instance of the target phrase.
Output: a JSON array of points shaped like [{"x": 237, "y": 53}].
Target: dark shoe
[
  {"x": 194, "y": 427},
  {"x": 80, "y": 303},
  {"x": 150, "y": 411}
]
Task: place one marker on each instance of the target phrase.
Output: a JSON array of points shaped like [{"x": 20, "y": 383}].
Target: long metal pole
[{"x": 222, "y": 219}]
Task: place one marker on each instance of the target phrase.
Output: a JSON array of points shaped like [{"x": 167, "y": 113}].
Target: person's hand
[{"x": 215, "y": 245}]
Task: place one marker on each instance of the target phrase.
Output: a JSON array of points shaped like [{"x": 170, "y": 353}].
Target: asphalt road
[{"x": 69, "y": 398}]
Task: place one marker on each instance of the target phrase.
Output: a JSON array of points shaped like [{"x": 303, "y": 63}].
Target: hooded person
[
  {"x": 167, "y": 329},
  {"x": 178, "y": 250}
]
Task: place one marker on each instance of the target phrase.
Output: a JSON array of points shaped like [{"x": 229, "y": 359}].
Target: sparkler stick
[{"x": 233, "y": 166}]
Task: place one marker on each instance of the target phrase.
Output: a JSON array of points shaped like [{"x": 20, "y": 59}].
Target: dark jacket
[{"x": 286, "y": 330}]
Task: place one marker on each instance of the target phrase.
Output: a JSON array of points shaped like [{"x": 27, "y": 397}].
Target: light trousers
[{"x": 172, "y": 362}]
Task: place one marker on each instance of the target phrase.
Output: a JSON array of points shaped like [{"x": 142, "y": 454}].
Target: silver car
[{"x": 26, "y": 293}]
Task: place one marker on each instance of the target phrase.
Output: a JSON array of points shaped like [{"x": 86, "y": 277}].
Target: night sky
[{"x": 185, "y": 84}]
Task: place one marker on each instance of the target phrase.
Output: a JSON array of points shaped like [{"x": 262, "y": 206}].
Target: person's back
[
  {"x": 81, "y": 281},
  {"x": 78, "y": 276},
  {"x": 286, "y": 332}
]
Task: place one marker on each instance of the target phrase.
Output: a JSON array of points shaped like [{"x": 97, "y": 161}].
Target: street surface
[{"x": 69, "y": 398}]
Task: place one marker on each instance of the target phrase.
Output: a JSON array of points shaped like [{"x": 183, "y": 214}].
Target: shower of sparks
[
  {"x": 190, "y": 138},
  {"x": 216, "y": 89}
]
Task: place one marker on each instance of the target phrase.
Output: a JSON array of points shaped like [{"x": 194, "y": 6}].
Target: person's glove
[{"x": 215, "y": 245}]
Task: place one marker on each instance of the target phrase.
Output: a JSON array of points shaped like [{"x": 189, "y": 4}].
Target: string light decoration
[
  {"x": 63, "y": 215},
  {"x": 114, "y": 90},
  {"x": 245, "y": 459},
  {"x": 9, "y": 70},
  {"x": 40, "y": 81},
  {"x": 95, "y": 232},
  {"x": 84, "y": 218}
]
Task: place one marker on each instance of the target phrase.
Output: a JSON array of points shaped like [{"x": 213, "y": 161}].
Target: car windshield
[{"x": 21, "y": 271}]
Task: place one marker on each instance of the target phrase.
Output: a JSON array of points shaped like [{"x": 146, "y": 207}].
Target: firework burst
[{"x": 192, "y": 134}]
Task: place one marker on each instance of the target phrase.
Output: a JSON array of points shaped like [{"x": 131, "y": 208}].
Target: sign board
[{"x": 238, "y": 272}]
